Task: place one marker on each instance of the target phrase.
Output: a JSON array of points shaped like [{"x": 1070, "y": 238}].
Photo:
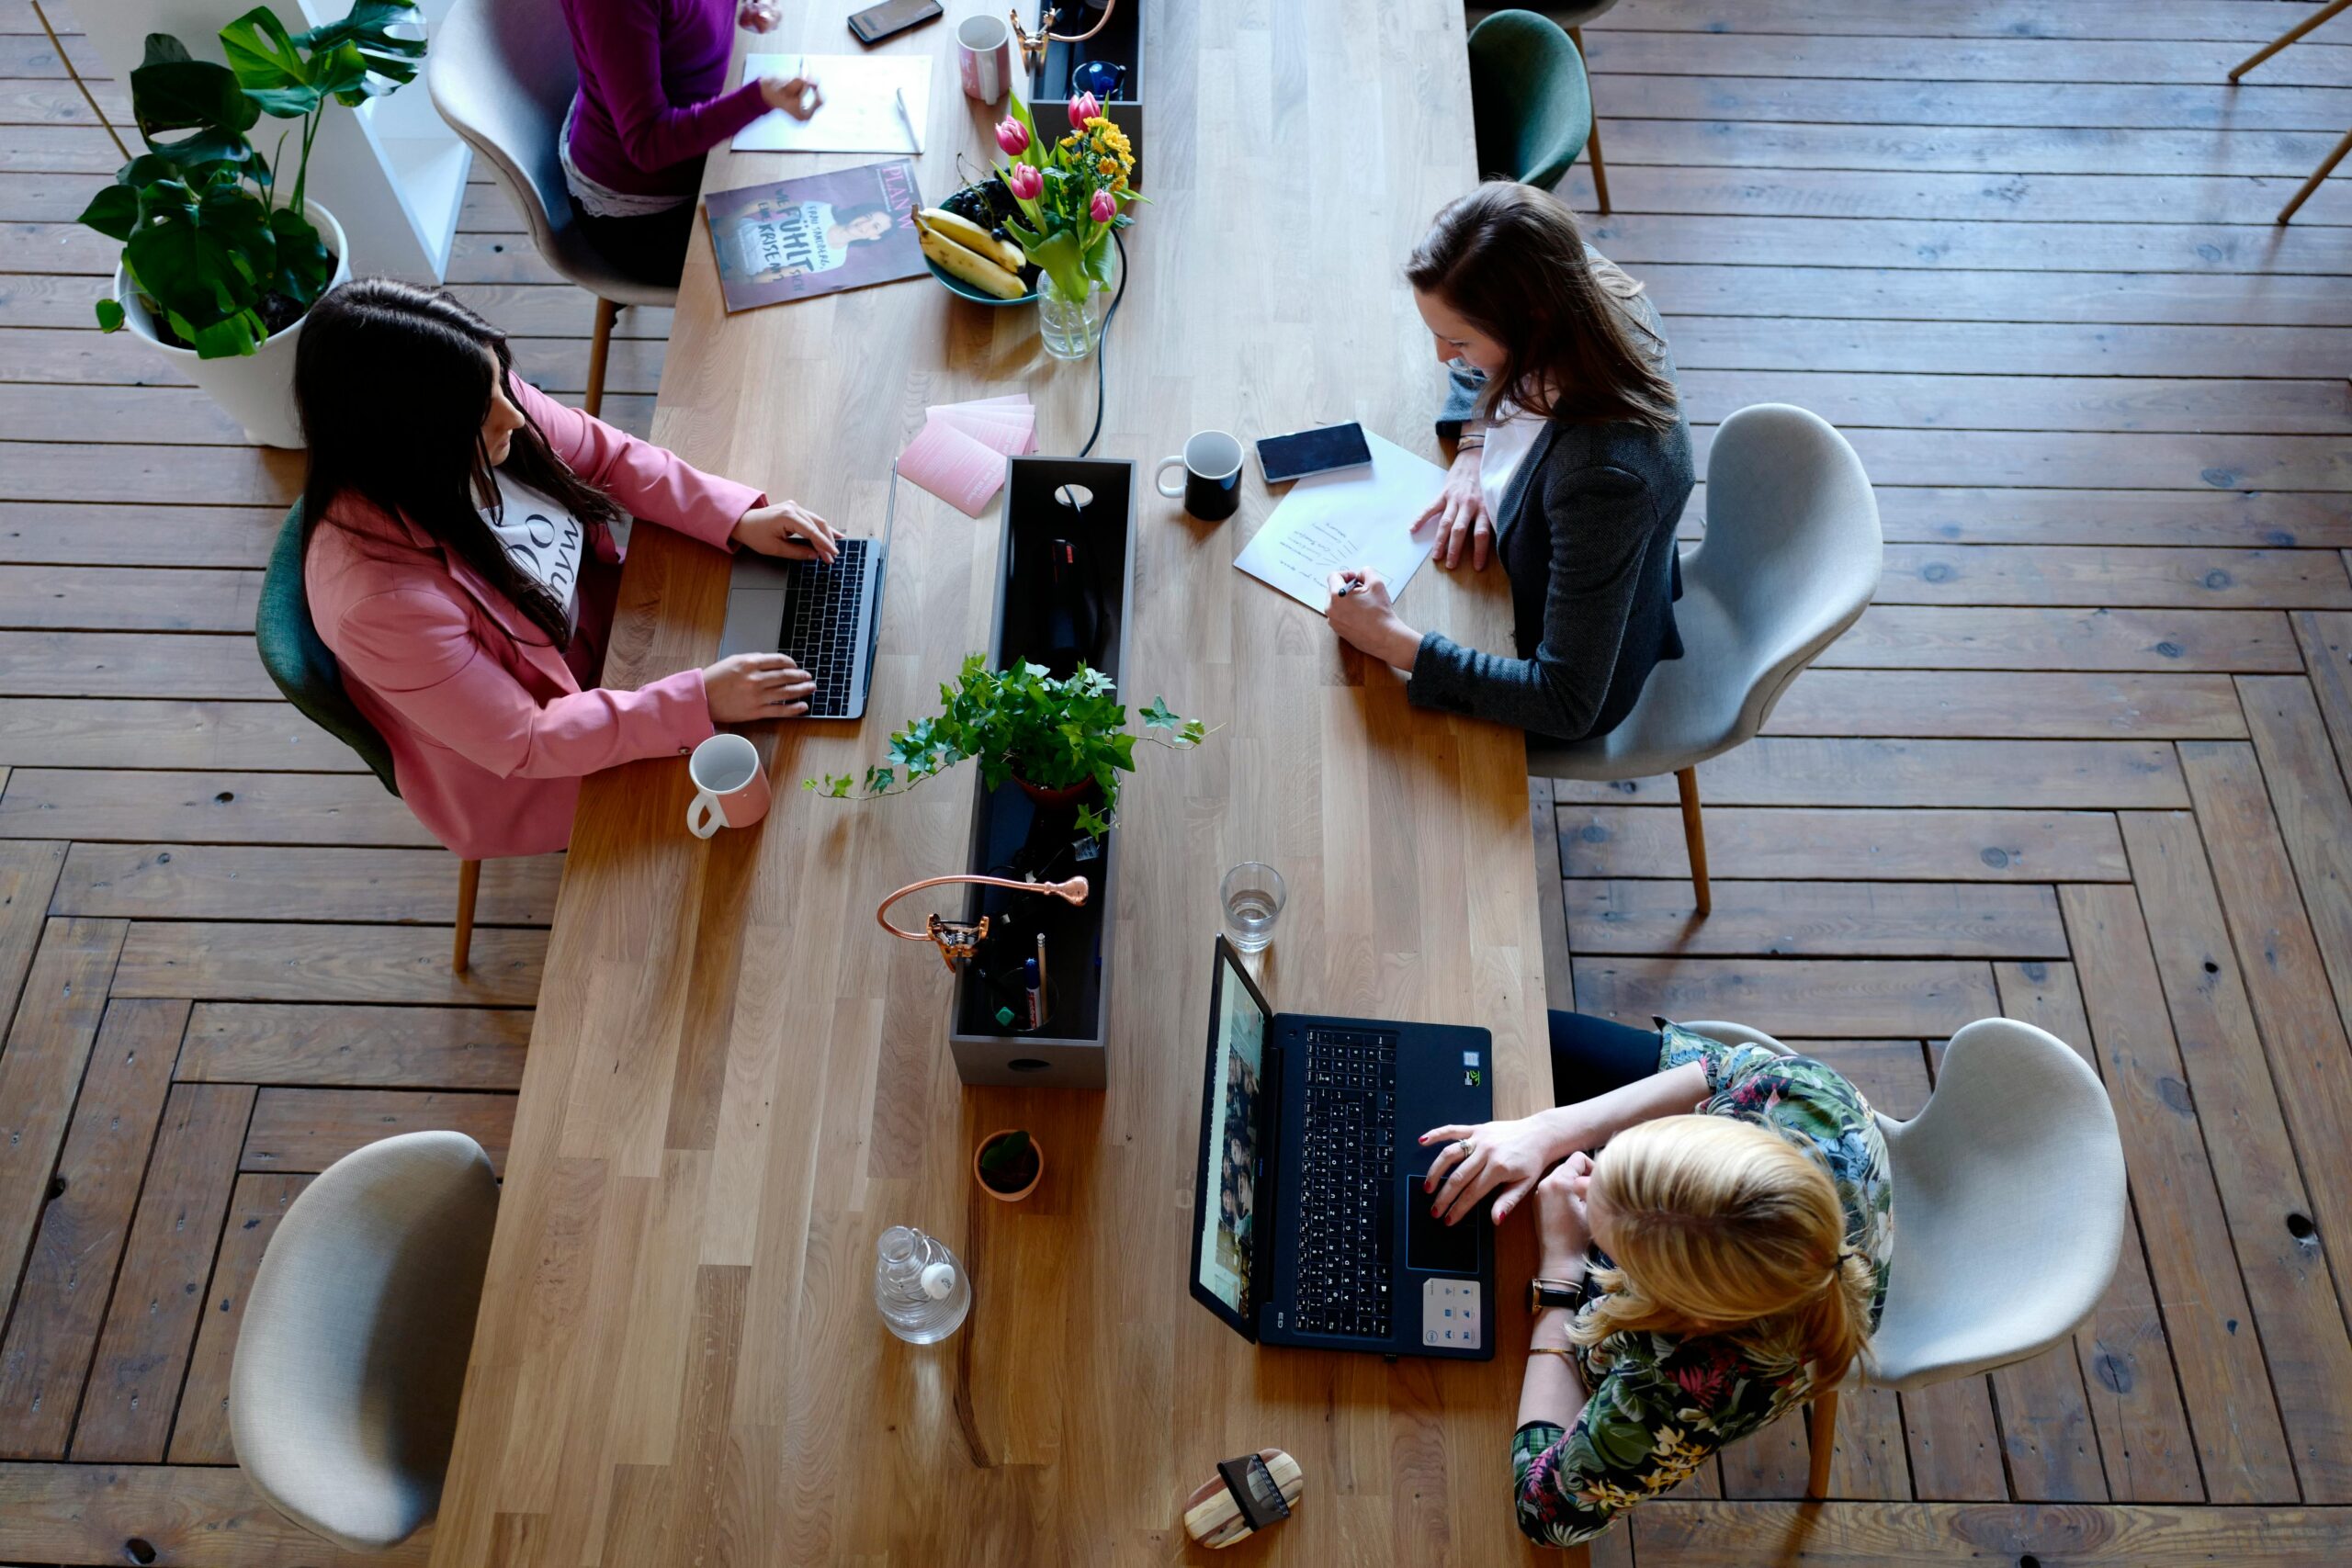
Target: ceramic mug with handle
[
  {"x": 1211, "y": 489},
  {"x": 731, "y": 787},
  {"x": 984, "y": 57}
]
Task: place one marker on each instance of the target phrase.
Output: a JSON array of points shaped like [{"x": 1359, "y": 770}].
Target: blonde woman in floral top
[{"x": 1722, "y": 1255}]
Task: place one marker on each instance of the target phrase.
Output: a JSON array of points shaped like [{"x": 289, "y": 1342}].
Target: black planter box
[
  {"x": 1012, "y": 834},
  {"x": 1120, "y": 42}
]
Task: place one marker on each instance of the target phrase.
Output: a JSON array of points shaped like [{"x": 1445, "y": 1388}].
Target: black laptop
[
  {"x": 1313, "y": 1227},
  {"x": 827, "y": 615}
]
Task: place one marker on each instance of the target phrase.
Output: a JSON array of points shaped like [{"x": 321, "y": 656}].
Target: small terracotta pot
[
  {"x": 1068, "y": 795},
  {"x": 1034, "y": 1147}
]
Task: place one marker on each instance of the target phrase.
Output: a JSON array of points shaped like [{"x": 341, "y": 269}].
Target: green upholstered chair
[
  {"x": 1531, "y": 102},
  {"x": 304, "y": 668}
]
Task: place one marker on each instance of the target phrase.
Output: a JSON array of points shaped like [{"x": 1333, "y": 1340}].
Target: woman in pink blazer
[{"x": 461, "y": 565}]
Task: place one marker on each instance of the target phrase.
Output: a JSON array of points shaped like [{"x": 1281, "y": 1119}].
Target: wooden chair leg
[
  {"x": 2283, "y": 40},
  {"x": 1824, "y": 1443},
  {"x": 2326, "y": 167},
  {"x": 1592, "y": 142},
  {"x": 1694, "y": 836},
  {"x": 468, "y": 883},
  {"x": 601, "y": 345}
]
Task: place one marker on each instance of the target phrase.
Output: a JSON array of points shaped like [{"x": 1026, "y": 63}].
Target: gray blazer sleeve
[
  {"x": 1463, "y": 386},
  {"x": 1599, "y": 519}
]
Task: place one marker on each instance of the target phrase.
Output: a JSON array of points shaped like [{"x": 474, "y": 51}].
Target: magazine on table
[{"x": 817, "y": 234}]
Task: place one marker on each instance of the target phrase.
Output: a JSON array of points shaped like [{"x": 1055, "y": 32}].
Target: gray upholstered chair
[
  {"x": 1791, "y": 558},
  {"x": 2013, "y": 1170},
  {"x": 343, "y": 1398},
  {"x": 501, "y": 74}
]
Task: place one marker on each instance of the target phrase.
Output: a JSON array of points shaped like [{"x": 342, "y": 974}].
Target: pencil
[{"x": 908, "y": 120}]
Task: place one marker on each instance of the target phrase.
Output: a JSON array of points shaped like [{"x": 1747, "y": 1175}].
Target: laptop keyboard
[
  {"x": 819, "y": 631},
  {"x": 1348, "y": 1209}
]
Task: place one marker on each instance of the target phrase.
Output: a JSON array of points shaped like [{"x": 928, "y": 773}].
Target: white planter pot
[{"x": 256, "y": 389}]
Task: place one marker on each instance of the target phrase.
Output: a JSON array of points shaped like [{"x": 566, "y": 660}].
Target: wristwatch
[{"x": 1566, "y": 1293}]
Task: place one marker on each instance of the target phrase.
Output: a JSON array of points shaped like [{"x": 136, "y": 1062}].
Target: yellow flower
[
  {"x": 1108, "y": 166},
  {"x": 1607, "y": 1495}
]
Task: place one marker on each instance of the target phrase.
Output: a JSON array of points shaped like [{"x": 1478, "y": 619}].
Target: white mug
[
  {"x": 984, "y": 56},
  {"x": 731, "y": 787}
]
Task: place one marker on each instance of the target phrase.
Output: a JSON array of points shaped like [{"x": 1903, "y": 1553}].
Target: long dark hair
[
  {"x": 1512, "y": 260},
  {"x": 393, "y": 386}
]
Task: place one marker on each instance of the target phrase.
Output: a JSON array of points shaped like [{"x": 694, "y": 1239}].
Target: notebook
[{"x": 959, "y": 455}]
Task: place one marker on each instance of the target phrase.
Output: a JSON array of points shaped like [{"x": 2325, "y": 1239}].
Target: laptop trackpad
[
  {"x": 754, "y": 621},
  {"x": 1432, "y": 1246}
]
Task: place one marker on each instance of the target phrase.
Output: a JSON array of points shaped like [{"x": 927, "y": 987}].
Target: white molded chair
[
  {"x": 2013, "y": 1171},
  {"x": 343, "y": 1396},
  {"x": 1789, "y": 559},
  {"x": 501, "y": 73}
]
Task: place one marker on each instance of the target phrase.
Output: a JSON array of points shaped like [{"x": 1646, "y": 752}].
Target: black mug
[{"x": 1211, "y": 465}]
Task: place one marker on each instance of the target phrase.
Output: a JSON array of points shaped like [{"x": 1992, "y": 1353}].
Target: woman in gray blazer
[{"x": 1572, "y": 468}]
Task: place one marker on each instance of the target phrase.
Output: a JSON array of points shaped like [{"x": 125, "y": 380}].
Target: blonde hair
[{"x": 1721, "y": 1226}]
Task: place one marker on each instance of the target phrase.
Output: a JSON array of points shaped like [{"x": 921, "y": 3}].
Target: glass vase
[{"x": 1071, "y": 329}]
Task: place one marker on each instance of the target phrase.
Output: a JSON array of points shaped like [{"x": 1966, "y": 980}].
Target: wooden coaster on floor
[{"x": 1216, "y": 1515}]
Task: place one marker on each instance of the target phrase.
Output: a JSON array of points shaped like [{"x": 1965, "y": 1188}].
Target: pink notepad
[
  {"x": 960, "y": 470},
  {"x": 959, "y": 455},
  {"x": 1010, "y": 436}
]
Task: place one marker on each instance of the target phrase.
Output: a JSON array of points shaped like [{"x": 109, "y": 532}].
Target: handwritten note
[
  {"x": 1357, "y": 520},
  {"x": 861, "y": 111}
]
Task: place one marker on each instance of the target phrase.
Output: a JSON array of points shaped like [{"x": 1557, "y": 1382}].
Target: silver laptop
[{"x": 826, "y": 614}]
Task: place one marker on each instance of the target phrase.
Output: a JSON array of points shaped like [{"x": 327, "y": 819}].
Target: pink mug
[
  {"x": 984, "y": 57},
  {"x": 731, "y": 787}
]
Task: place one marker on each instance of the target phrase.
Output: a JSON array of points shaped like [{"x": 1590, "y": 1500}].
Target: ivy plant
[
  {"x": 206, "y": 241},
  {"x": 1023, "y": 724}
]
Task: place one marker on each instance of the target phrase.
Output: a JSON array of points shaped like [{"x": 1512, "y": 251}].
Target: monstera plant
[{"x": 220, "y": 257}]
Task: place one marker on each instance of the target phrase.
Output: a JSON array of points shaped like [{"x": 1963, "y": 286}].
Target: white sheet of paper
[
  {"x": 861, "y": 113},
  {"x": 1359, "y": 518}
]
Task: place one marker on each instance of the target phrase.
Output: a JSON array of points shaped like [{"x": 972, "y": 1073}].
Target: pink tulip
[
  {"x": 1025, "y": 182},
  {"x": 1083, "y": 108},
  {"x": 1103, "y": 208},
  {"x": 1012, "y": 136}
]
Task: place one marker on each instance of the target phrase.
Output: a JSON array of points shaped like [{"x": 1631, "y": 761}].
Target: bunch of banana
[{"x": 966, "y": 251}]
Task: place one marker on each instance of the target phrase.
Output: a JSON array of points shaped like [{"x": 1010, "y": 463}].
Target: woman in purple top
[{"x": 652, "y": 74}]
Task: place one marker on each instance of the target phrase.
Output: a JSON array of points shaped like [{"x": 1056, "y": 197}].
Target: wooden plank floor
[{"x": 2084, "y": 762}]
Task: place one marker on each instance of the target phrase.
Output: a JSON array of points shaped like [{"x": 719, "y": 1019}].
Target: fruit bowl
[{"x": 963, "y": 290}]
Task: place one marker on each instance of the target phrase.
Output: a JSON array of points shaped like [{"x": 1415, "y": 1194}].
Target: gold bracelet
[{"x": 1552, "y": 1350}]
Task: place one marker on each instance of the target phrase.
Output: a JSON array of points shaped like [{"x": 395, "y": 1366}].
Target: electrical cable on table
[{"x": 1102, "y": 347}]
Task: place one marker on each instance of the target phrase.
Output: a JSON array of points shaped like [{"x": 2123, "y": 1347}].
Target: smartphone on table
[
  {"x": 892, "y": 17},
  {"x": 1317, "y": 451}
]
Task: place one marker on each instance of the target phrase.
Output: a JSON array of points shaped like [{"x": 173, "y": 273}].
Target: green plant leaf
[
  {"x": 303, "y": 265},
  {"x": 1091, "y": 824},
  {"x": 267, "y": 66},
  {"x": 1003, "y": 1153},
  {"x": 203, "y": 251},
  {"x": 110, "y": 316},
  {"x": 1160, "y": 715},
  {"x": 113, "y": 212},
  {"x": 188, "y": 95},
  {"x": 369, "y": 59},
  {"x": 1101, "y": 259}
]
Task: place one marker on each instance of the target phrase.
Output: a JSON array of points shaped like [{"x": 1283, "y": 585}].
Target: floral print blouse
[{"x": 1661, "y": 1402}]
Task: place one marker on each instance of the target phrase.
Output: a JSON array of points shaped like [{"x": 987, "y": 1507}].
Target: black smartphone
[
  {"x": 892, "y": 17},
  {"x": 1317, "y": 451}
]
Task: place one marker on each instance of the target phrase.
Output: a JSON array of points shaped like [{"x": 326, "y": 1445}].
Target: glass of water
[{"x": 1252, "y": 896}]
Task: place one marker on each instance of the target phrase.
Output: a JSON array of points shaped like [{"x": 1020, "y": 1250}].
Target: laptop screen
[{"x": 1230, "y": 1140}]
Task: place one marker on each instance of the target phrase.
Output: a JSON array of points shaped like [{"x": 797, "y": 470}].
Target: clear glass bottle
[{"x": 919, "y": 1286}]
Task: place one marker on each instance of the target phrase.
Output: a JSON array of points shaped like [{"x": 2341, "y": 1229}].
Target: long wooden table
[{"x": 736, "y": 1082}]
